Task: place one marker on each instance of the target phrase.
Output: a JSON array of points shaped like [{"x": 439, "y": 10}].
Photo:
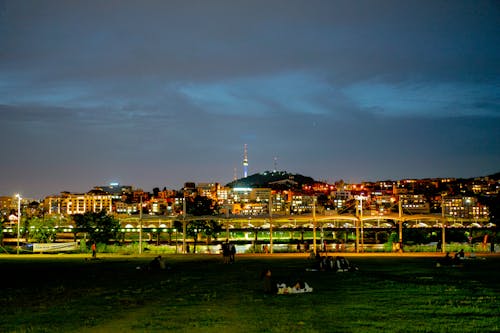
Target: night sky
[{"x": 157, "y": 93}]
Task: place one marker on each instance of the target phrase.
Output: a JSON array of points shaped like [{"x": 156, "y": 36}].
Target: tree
[
  {"x": 41, "y": 231},
  {"x": 100, "y": 226},
  {"x": 493, "y": 204},
  {"x": 200, "y": 206},
  {"x": 209, "y": 228}
]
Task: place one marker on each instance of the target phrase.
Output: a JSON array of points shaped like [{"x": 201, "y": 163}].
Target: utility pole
[
  {"x": 361, "y": 223},
  {"x": 227, "y": 221},
  {"x": 184, "y": 227},
  {"x": 443, "y": 228},
  {"x": 271, "y": 221},
  {"x": 358, "y": 221},
  {"x": 314, "y": 225},
  {"x": 140, "y": 226},
  {"x": 400, "y": 210},
  {"x": 18, "y": 219}
]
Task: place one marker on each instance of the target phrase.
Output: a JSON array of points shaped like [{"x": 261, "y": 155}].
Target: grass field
[{"x": 406, "y": 293}]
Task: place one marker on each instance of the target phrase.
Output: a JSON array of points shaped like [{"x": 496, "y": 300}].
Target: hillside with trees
[{"x": 273, "y": 179}]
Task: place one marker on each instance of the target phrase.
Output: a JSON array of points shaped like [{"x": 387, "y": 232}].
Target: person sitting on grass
[
  {"x": 449, "y": 261},
  {"x": 342, "y": 264},
  {"x": 447, "y": 258},
  {"x": 157, "y": 264},
  {"x": 326, "y": 263},
  {"x": 269, "y": 286}
]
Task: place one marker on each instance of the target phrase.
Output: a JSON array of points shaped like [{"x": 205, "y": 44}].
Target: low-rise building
[{"x": 414, "y": 204}]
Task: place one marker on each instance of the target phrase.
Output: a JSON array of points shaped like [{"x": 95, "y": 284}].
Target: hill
[{"x": 274, "y": 180}]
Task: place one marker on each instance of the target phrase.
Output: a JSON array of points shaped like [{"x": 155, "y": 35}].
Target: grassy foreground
[{"x": 66, "y": 293}]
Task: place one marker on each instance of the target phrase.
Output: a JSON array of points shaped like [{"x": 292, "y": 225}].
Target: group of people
[
  {"x": 297, "y": 288},
  {"x": 228, "y": 252},
  {"x": 306, "y": 247},
  {"x": 336, "y": 264},
  {"x": 456, "y": 260},
  {"x": 157, "y": 264},
  {"x": 271, "y": 287}
]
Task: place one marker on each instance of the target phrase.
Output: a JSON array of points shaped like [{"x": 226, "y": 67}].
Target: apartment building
[
  {"x": 70, "y": 203},
  {"x": 464, "y": 207}
]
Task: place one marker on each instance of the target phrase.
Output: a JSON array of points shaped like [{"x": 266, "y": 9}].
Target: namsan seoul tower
[{"x": 245, "y": 162}]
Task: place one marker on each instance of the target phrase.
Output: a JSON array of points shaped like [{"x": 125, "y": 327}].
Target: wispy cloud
[
  {"x": 295, "y": 92},
  {"x": 427, "y": 98}
]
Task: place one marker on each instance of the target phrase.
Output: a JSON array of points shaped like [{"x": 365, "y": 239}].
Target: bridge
[
  {"x": 308, "y": 220},
  {"x": 345, "y": 222},
  {"x": 276, "y": 223}
]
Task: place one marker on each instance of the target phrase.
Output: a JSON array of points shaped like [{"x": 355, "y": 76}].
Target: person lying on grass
[{"x": 298, "y": 288}]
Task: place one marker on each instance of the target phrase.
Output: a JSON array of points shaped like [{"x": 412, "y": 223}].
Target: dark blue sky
[{"x": 156, "y": 93}]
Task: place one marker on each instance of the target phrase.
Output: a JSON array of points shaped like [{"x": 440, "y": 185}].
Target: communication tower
[{"x": 245, "y": 162}]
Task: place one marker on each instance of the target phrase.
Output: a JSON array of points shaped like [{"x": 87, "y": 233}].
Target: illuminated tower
[{"x": 245, "y": 162}]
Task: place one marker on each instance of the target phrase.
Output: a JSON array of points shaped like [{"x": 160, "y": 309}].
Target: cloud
[
  {"x": 166, "y": 91},
  {"x": 295, "y": 92},
  {"x": 427, "y": 98}
]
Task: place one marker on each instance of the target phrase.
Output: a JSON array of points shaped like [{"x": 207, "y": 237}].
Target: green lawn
[{"x": 64, "y": 293}]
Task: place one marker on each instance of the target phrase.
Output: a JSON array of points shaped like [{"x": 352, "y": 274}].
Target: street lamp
[
  {"x": 176, "y": 243},
  {"x": 140, "y": 226},
  {"x": 271, "y": 221},
  {"x": 400, "y": 214},
  {"x": 359, "y": 222},
  {"x": 314, "y": 225},
  {"x": 443, "y": 227},
  {"x": 184, "y": 224},
  {"x": 18, "y": 196}
]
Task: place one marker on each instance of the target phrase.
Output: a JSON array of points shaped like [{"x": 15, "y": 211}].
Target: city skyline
[
  {"x": 159, "y": 93},
  {"x": 134, "y": 187}
]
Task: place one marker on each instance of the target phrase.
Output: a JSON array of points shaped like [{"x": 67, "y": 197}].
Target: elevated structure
[{"x": 245, "y": 162}]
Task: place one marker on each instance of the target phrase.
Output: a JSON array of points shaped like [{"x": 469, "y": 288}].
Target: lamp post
[
  {"x": 443, "y": 227},
  {"x": 271, "y": 221},
  {"x": 176, "y": 239},
  {"x": 18, "y": 196},
  {"x": 184, "y": 225},
  {"x": 314, "y": 224},
  {"x": 140, "y": 226},
  {"x": 359, "y": 223},
  {"x": 400, "y": 214}
]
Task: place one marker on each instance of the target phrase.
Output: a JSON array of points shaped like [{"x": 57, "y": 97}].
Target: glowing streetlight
[
  {"x": 359, "y": 222},
  {"x": 18, "y": 196}
]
